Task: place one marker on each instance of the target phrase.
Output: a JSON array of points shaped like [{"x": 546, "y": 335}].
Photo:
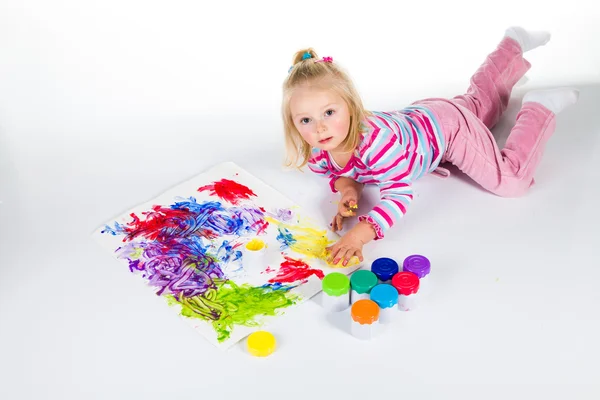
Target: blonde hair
[{"x": 308, "y": 71}]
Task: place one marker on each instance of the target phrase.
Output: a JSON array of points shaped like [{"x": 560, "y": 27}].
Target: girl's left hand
[{"x": 348, "y": 246}]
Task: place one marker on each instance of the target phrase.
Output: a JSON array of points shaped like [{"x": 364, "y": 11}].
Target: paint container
[
  {"x": 261, "y": 343},
  {"x": 384, "y": 268},
  {"x": 386, "y": 297},
  {"x": 361, "y": 282},
  {"x": 254, "y": 254},
  {"x": 420, "y": 266},
  {"x": 365, "y": 318},
  {"x": 407, "y": 285},
  {"x": 336, "y": 292}
]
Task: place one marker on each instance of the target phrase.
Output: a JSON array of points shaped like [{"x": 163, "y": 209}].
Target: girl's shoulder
[
  {"x": 317, "y": 157},
  {"x": 379, "y": 129}
]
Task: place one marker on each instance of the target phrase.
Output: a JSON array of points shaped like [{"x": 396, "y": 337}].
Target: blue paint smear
[{"x": 285, "y": 238}]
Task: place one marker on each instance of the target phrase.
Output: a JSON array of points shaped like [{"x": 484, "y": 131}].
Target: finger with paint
[
  {"x": 347, "y": 208},
  {"x": 344, "y": 251},
  {"x": 338, "y": 222}
]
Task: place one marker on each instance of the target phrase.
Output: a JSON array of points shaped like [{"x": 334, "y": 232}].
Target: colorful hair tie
[
  {"x": 306, "y": 56},
  {"x": 326, "y": 59}
]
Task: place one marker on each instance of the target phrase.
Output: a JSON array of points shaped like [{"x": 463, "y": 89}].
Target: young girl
[{"x": 327, "y": 127}]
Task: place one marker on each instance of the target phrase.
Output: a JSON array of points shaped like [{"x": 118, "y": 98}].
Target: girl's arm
[
  {"x": 346, "y": 185},
  {"x": 351, "y": 192}
]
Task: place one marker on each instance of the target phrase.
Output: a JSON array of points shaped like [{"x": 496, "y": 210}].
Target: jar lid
[
  {"x": 365, "y": 311},
  {"x": 336, "y": 284},
  {"x": 363, "y": 281},
  {"x": 417, "y": 264},
  {"x": 261, "y": 343},
  {"x": 384, "y": 295},
  {"x": 406, "y": 283},
  {"x": 384, "y": 268}
]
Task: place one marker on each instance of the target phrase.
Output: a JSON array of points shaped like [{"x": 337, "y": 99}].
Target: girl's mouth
[{"x": 325, "y": 140}]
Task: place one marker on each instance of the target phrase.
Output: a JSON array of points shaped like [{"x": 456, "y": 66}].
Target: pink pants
[{"x": 466, "y": 121}]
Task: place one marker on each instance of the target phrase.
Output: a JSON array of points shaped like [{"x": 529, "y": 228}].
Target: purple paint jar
[{"x": 418, "y": 265}]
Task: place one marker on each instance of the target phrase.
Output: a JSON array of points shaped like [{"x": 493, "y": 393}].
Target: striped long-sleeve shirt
[{"x": 396, "y": 148}]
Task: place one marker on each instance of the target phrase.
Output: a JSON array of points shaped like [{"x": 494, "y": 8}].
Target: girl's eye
[
  {"x": 304, "y": 121},
  {"x": 329, "y": 113}
]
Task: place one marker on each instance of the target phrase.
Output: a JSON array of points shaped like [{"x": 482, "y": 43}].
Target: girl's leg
[
  {"x": 472, "y": 148},
  {"x": 508, "y": 172},
  {"x": 491, "y": 85}
]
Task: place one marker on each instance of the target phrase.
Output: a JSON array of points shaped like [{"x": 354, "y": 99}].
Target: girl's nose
[{"x": 321, "y": 127}]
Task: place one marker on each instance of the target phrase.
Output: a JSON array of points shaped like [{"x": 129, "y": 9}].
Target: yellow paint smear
[{"x": 311, "y": 242}]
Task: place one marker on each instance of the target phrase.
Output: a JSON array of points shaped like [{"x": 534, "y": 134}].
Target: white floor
[{"x": 515, "y": 284}]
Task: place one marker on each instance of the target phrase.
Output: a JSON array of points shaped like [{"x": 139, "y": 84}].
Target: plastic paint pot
[
  {"x": 386, "y": 297},
  {"x": 336, "y": 292},
  {"x": 254, "y": 254},
  {"x": 384, "y": 269},
  {"x": 365, "y": 317},
  {"x": 407, "y": 285},
  {"x": 361, "y": 282},
  {"x": 420, "y": 266}
]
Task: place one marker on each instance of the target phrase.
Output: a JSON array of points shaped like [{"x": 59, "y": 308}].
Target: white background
[{"x": 104, "y": 105}]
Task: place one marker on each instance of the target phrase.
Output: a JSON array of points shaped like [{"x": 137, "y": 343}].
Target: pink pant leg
[
  {"x": 508, "y": 172},
  {"x": 466, "y": 121},
  {"x": 491, "y": 85}
]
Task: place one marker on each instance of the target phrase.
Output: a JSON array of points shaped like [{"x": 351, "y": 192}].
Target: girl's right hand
[{"x": 346, "y": 208}]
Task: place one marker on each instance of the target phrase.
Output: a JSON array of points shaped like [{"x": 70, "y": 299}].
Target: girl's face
[{"x": 321, "y": 116}]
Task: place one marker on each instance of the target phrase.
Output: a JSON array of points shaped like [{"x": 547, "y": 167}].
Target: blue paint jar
[
  {"x": 384, "y": 269},
  {"x": 386, "y": 297}
]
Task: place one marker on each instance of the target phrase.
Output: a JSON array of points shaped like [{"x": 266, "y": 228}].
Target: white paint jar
[
  {"x": 336, "y": 292},
  {"x": 254, "y": 254},
  {"x": 407, "y": 285},
  {"x": 365, "y": 317}
]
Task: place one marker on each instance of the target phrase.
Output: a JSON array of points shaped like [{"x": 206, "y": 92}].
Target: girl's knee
[{"x": 514, "y": 187}]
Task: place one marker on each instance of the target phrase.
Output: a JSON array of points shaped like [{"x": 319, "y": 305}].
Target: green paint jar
[
  {"x": 336, "y": 292},
  {"x": 361, "y": 282}
]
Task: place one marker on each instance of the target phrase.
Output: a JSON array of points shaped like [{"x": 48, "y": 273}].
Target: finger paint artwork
[{"x": 190, "y": 246}]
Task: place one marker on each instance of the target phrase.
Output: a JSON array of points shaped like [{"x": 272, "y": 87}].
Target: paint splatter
[
  {"x": 295, "y": 270},
  {"x": 227, "y": 252},
  {"x": 172, "y": 248},
  {"x": 268, "y": 270},
  {"x": 208, "y": 219},
  {"x": 302, "y": 239},
  {"x": 229, "y": 304},
  {"x": 308, "y": 241},
  {"x": 181, "y": 266},
  {"x": 282, "y": 214},
  {"x": 229, "y": 190}
]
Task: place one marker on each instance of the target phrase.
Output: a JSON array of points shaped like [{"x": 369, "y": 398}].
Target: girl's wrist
[
  {"x": 349, "y": 190},
  {"x": 366, "y": 232}
]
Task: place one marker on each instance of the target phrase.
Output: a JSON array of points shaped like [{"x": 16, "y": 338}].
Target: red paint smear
[
  {"x": 228, "y": 190},
  {"x": 295, "y": 270},
  {"x": 260, "y": 226},
  {"x": 156, "y": 221}
]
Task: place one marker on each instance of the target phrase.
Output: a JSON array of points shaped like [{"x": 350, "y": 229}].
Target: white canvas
[{"x": 160, "y": 250}]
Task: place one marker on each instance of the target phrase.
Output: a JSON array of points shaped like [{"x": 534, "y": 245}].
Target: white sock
[
  {"x": 528, "y": 40},
  {"x": 554, "y": 100}
]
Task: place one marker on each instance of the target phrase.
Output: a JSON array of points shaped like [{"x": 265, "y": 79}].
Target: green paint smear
[
  {"x": 230, "y": 304},
  {"x": 137, "y": 254}
]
